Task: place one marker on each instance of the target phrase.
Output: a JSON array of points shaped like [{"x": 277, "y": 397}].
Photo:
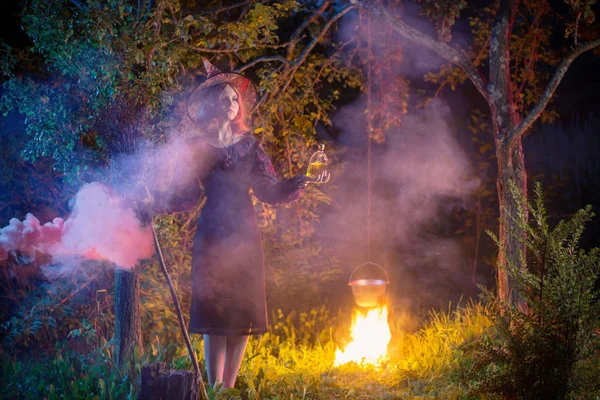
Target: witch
[{"x": 228, "y": 273}]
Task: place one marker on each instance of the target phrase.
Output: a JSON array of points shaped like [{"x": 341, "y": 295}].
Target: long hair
[{"x": 207, "y": 112}]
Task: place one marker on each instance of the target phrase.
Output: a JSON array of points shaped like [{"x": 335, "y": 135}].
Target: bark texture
[
  {"x": 511, "y": 160},
  {"x": 128, "y": 326},
  {"x": 511, "y": 168}
]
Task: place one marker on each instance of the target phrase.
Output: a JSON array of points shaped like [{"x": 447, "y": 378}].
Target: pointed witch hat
[{"x": 245, "y": 87}]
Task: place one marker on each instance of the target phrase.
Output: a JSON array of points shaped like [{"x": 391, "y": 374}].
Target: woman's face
[{"x": 229, "y": 103}]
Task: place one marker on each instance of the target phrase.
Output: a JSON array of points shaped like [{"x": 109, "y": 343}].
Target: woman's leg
[
  {"x": 236, "y": 345},
  {"x": 214, "y": 356}
]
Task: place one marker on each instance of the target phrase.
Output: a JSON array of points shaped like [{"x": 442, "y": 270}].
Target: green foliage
[
  {"x": 28, "y": 187},
  {"x": 533, "y": 351},
  {"x": 293, "y": 360},
  {"x": 103, "y": 59},
  {"x": 531, "y": 47},
  {"x": 7, "y": 61},
  {"x": 93, "y": 57},
  {"x": 42, "y": 316},
  {"x": 69, "y": 374},
  {"x": 108, "y": 50},
  {"x": 156, "y": 305}
]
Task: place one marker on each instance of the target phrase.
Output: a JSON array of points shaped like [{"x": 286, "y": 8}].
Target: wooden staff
[{"x": 186, "y": 336}]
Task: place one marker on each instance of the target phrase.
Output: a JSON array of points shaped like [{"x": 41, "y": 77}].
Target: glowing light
[{"x": 370, "y": 335}]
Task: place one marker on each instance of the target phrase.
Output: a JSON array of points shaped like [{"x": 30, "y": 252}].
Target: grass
[
  {"x": 293, "y": 361},
  {"x": 430, "y": 363}
]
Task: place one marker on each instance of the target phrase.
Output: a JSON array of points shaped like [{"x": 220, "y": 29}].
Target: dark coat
[{"x": 228, "y": 273}]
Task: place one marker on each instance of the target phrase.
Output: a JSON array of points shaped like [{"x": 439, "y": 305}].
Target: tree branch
[
  {"x": 303, "y": 26},
  {"x": 262, "y": 59},
  {"x": 327, "y": 63},
  {"x": 440, "y": 48},
  {"x": 79, "y": 289},
  {"x": 159, "y": 12},
  {"x": 216, "y": 51},
  {"x": 302, "y": 57},
  {"x": 552, "y": 85},
  {"x": 293, "y": 66},
  {"x": 216, "y": 11}
]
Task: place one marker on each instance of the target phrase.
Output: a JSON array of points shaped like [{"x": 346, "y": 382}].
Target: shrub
[{"x": 539, "y": 351}]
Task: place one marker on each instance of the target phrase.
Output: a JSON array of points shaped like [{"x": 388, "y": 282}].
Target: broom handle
[{"x": 188, "y": 343}]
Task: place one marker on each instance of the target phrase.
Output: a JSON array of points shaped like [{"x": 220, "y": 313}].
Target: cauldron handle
[{"x": 387, "y": 277}]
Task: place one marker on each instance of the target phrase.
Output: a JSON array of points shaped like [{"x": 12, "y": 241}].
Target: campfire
[{"x": 370, "y": 335}]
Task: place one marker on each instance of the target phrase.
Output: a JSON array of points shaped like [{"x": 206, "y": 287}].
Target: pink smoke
[
  {"x": 101, "y": 227},
  {"x": 29, "y": 236}
]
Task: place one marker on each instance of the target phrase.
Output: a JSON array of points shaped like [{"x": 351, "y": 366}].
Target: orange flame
[{"x": 370, "y": 334}]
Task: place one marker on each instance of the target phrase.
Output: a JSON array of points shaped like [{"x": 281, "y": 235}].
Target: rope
[{"x": 369, "y": 136}]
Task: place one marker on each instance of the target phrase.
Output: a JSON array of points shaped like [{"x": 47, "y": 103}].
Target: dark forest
[{"x": 452, "y": 254}]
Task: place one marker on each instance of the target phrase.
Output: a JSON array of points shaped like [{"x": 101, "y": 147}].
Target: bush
[
  {"x": 546, "y": 350},
  {"x": 70, "y": 374}
]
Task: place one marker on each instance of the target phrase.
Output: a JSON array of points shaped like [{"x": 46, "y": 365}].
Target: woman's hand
[{"x": 323, "y": 177}]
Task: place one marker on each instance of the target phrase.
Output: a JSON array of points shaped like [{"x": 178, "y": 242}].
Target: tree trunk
[
  {"x": 128, "y": 326},
  {"x": 511, "y": 168},
  {"x": 508, "y": 126},
  {"x": 511, "y": 161}
]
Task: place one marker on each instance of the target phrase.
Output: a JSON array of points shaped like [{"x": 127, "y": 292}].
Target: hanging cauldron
[{"x": 368, "y": 282}]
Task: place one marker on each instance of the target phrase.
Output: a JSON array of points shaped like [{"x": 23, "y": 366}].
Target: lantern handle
[{"x": 387, "y": 277}]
